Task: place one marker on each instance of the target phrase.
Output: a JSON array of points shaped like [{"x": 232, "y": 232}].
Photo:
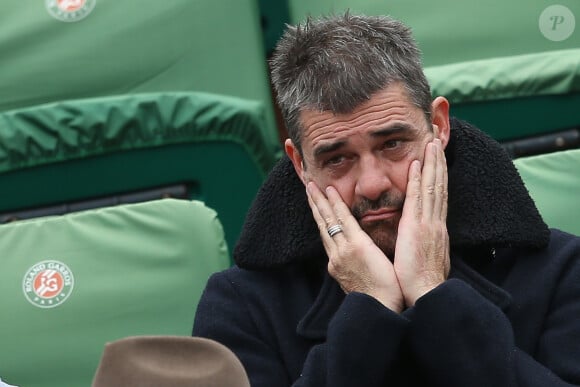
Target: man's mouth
[{"x": 380, "y": 214}]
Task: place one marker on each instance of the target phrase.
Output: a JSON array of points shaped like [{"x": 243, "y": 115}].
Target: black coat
[{"x": 509, "y": 315}]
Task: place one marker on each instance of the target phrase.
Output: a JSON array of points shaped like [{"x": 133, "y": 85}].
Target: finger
[
  {"x": 321, "y": 203},
  {"x": 327, "y": 241},
  {"x": 448, "y": 266},
  {"x": 445, "y": 187},
  {"x": 413, "y": 205},
  {"x": 428, "y": 177},
  {"x": 343, "y": 213},
  {"x": 440, "y": 184},
  {"x": 324, "y": 216}
]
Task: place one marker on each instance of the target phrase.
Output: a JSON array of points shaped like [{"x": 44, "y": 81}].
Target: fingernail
[{"x": 416, "y": 166}]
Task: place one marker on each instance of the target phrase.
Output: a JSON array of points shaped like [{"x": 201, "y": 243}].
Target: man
[{"x": 393, "y": 246}]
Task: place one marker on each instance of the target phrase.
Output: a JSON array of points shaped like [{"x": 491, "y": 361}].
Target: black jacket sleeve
[{"x": 462, "y": 339}]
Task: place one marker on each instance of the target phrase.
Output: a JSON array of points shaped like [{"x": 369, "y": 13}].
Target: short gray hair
[{"x": 336, "y": 63}]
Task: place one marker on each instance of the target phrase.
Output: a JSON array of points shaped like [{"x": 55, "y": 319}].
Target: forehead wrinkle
[
  {"x": 341, "y": 126},
  {"x": 382, "y": 131},
  {"x": 327, "y": 148},
  {"x": 377, "y": 107},
  {"x": 395, "y": 92},
  {"x": 390, "y": 105},
  {"x": 329, "y": 135},
  {"x": 393, "y": 129},
  {"x": 344, "y": 122}
]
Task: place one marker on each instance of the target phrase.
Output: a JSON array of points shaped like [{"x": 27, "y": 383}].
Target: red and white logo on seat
[
  {"x": 48, "y": 284},
  {"x": 70, "y": 10}
]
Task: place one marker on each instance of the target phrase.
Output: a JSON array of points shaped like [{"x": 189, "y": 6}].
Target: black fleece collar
[{"x": 489, "y": 206}]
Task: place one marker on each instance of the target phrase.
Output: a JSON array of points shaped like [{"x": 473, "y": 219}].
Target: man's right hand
[{"x": 355, "y": 261}]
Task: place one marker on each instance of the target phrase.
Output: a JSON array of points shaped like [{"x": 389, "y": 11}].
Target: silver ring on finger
[{"x": 333, "y": 230}]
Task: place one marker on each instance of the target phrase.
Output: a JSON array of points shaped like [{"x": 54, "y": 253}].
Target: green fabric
[
  {"x": 274, "y": 16},
  {"x": 61, "y": 153},
  {"x": 553, "y": 181},
  {"x": 512, "y": 119},
  {"x": 132, "y": 46},
  {"x": 137, "y": 270},
  {"x": 89, "y": 127},
  {"x": 545, "y": 73},
  {"x": 450, "y": 31}
]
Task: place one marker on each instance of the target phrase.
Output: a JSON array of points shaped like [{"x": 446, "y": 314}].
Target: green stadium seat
[
  {"x": 69, "y": 284},
  {"x": 130, "y": 47},
  {"x": 79, "y": 154},
  {"x": 553, "y": 180}
]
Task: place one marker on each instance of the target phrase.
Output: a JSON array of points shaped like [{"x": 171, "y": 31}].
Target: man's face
[{"x": 366, "y": 156}]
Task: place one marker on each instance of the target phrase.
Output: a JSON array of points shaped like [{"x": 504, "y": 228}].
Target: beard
[{"x": 382, "y": 232}]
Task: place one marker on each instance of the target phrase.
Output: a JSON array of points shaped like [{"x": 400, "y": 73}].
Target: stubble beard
[{"x": 382, "y": 232}]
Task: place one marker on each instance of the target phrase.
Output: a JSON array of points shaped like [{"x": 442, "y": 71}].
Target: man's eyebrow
[
  {"x": 328, "y": 148},
  {"x": 392, "y": 129},
  {"x": 398, "y": 127}
]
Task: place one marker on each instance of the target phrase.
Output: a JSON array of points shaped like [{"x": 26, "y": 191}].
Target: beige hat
[{"x": 169, "y": 361}]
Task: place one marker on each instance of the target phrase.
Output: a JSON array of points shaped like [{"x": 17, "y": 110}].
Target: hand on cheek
[
  {"x": 422, "y": 250},
  {"x": 355, "y": 262}
]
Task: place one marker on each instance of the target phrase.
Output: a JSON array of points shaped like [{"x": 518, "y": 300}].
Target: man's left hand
[{"x": 422, "y": 250}]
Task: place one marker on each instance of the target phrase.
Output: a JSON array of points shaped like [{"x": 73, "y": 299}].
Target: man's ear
[
  {"x": 294, "y": 155},
  {"x": 440, "y": 120}
]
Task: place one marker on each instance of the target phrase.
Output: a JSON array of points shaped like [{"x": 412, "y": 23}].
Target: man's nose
[{"x": 373, "y": 179}]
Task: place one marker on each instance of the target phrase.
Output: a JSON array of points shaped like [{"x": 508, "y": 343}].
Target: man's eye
[
  {"x": 391, "y": 144},
  {"x": 336, "y": 160}
]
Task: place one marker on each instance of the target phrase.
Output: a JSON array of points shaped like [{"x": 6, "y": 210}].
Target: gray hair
[{"x": 336, "y": 63}]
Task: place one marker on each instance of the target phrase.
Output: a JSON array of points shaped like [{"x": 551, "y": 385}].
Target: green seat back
[
  {"x": 61, "y": 153},
  {"x": 71, "y": 283},
  {"x": 553, "y": 181},
  {"x": 490, "y": 59},
  {"x": 132, "y": 46}
]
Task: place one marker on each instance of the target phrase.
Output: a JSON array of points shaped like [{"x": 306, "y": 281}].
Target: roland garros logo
[
  {"x": 48, "y": 284},
  {"x": 70, "y": 10}
]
